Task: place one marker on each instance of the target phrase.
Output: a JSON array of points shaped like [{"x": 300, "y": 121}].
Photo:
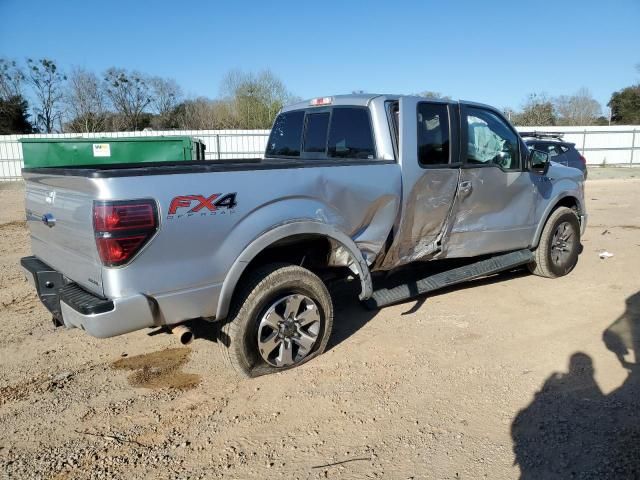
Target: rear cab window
[
  {"x": 350, "y": 134},
  {"x": 286, "y": 135},
  {"x": 315, "y": 136},
  {"x": 340, "y": 132},
  {"x": 433, "y": 134}
]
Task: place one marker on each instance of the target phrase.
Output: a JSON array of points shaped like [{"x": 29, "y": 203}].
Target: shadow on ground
[
  {"x": 350, "y": 315},
  {"x": 571, "y": 429}
]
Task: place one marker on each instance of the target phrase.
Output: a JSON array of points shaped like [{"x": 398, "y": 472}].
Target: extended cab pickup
[{"x": 350, "y": 186}]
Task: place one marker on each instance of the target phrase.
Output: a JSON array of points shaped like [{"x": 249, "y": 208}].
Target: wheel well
[
  {"x": 310, "y": 251},
  {"x": 329, "y": 253},
  {"x": 569, "y": 202}
]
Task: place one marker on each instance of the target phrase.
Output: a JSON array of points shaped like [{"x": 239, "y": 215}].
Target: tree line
[
  {"x": 579, "y": 109},
  {"x": 39, "y": 97}
]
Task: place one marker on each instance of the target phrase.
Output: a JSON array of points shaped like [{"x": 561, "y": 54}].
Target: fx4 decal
[{"x": 201, "y": 205}]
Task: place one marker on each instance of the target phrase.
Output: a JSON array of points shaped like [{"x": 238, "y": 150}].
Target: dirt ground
[{"x": 506, "y": 377}]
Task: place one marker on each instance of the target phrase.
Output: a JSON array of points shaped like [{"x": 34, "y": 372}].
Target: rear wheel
[
  {"x": 557, "y": 252},
  {"x": 281, "y": 317}
]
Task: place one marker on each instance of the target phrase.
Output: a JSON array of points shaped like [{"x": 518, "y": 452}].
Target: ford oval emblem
[{"x": 48, "y": 219}]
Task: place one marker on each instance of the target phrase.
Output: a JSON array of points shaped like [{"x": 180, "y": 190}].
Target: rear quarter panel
[{"x": 196, "y": 250}]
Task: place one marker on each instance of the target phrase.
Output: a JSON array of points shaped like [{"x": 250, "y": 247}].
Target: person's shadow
[{"x": 572, "y": 430}]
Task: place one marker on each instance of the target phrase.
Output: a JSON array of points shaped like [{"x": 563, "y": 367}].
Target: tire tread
[
  {"x": 243, "y": 302},
  {"x": 541, "y": 264}
]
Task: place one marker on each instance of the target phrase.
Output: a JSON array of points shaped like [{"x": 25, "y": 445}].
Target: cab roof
[{"x": 363, "y": 100}]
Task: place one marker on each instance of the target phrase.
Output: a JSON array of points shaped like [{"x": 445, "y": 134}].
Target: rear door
[
  {"x": 494, "y": 209},
  {"x": 428, "y": 146}
]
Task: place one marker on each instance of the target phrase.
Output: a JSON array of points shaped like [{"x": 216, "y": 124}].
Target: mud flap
[{"x": 388, "y": 296}]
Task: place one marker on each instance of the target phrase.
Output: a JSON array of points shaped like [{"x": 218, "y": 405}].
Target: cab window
[
  {"x": 490, "y": 141},
  {"x": 315, "y": 135},
  {"x": 433, "y": 134},
  {"x": 286, "y": 135},
  {"x": 350, "y": 134}
]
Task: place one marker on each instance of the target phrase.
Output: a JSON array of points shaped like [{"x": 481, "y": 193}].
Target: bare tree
[
  {"x": 165, "y": 96},
  {"x": 11, "y": 79},
  {"x": 205, "y": 114},
  {"x": 578, "y": 109},
  {"x": 536, "y": 111},
  {"x": 434, "y": 95},
  {"x": 130, "y": 95},
  {"x": 14, "y": 109},
  {"x": 86, "y": 102},
  {"x": 256, "y": 98},
  {"x": 47, "y": 82}
]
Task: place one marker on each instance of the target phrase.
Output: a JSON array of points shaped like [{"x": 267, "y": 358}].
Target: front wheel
[
  {"x": 559, "y": 247},
  {"x": 281, "y": 317}
]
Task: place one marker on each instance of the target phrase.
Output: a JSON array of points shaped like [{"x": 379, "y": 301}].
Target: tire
[
  {"x": 559, "y": 246},
  {"x": 265, "y": 331}
]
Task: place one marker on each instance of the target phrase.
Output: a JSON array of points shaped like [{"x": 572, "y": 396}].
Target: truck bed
[
  {"x": 192, "y": 251},
  {"x": 170, "y": 168}
]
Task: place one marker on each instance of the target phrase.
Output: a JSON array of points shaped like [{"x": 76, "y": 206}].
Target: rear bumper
[{"x": 76, "y": 308}]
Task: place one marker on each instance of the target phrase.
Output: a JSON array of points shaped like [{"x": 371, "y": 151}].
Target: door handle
[{"x": 465, "y": 187}]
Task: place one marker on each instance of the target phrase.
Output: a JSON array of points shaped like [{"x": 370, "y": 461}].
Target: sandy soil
[{"x": 514, "y": 375}]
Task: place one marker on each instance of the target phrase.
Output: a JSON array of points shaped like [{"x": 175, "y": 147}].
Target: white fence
[
  {"x": 220, "y": 145},
  {"x": 616, "y": 145}
]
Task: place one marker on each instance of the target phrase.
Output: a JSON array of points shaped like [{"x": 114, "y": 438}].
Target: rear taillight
[
  {"x": 122, "y": 228},
  {"x": 583, "y": 160}
]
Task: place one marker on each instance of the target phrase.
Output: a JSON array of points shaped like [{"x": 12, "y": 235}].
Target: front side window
[
  {"x": 433, "y": 134},
  {"x": 490, "y": 141},
  {"x": 286, "y": 135},
  {"x": 350, "y": 134}
]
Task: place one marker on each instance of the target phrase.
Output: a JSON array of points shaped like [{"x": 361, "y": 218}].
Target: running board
[{"x": 388, "y": 296}]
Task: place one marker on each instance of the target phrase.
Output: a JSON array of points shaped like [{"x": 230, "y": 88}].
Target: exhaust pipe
[{"x": 184, "y": 333}]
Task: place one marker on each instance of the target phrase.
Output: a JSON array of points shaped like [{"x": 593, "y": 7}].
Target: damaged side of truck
[{"x": 349, "y": 186}]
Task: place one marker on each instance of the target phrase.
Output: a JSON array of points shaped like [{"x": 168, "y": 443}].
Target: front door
[
  {"x": 495, "y": 208},
  {"x": 428, "y": 145}
]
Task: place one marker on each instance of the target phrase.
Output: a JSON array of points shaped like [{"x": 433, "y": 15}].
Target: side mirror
[{"x": 539, "y": 162}]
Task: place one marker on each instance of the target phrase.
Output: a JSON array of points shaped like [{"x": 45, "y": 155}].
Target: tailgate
[{"x": 67, "y": 244}]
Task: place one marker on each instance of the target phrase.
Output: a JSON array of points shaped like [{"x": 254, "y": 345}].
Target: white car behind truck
[{"x": 350, "y": 186}]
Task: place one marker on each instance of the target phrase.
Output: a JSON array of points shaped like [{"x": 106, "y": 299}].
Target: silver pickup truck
[{"x": 350, "y": 187}]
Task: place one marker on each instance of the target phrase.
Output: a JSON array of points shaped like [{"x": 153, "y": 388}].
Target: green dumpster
[{"x": 69, "y": 152}]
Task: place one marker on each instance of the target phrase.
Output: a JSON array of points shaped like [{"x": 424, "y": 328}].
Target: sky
[{"x": 495, "y": 52}]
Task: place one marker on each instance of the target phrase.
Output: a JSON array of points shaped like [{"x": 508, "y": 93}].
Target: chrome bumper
[
  {"x": 128, "y": 314},
  {"x": 74, "y": 307}
]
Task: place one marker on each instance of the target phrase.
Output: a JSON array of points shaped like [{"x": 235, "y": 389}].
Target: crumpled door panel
[{"x": 425, "y": 210}]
